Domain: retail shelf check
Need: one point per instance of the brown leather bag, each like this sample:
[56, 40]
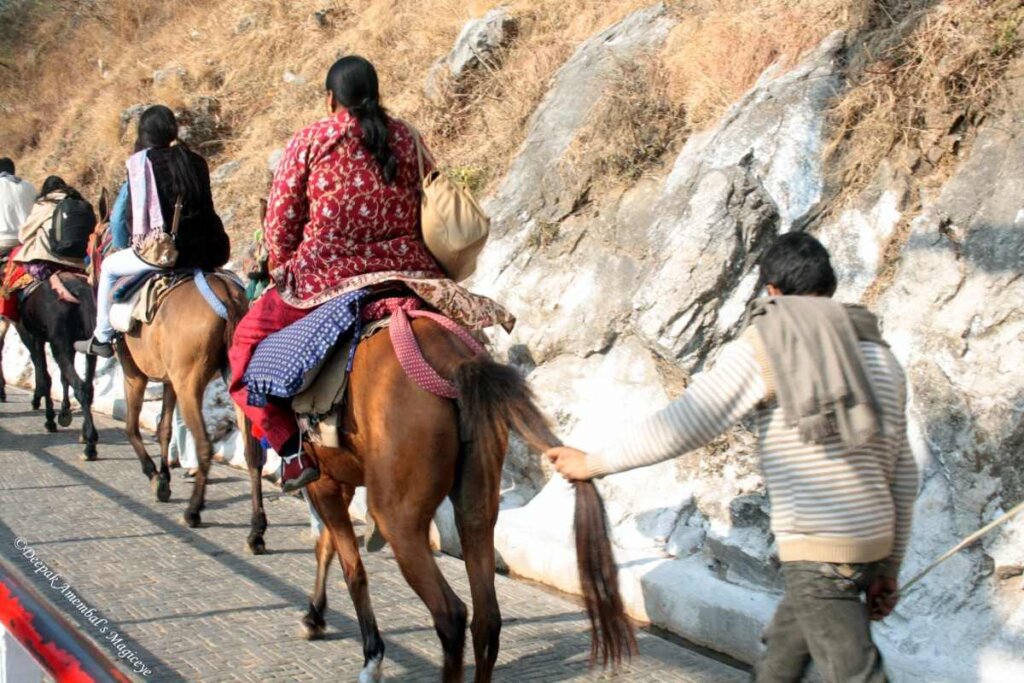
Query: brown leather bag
[454, 226]
[159, 248]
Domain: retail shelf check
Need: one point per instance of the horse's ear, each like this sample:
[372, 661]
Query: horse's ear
[263, 211]
[104, 206]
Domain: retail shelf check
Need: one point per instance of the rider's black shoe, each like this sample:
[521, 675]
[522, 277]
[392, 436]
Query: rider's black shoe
[95, 348]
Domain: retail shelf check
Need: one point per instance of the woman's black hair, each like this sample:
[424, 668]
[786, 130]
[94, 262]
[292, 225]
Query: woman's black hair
[353, 81]
[798, 264]
[158, 128]
[55, 183]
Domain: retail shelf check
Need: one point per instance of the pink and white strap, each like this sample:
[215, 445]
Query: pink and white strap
[408, 350]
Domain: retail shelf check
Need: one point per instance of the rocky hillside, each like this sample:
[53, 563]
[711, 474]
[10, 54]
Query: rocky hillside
[637, 158]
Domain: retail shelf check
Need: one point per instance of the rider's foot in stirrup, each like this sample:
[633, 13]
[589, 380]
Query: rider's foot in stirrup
[296, 471]
[95, 347]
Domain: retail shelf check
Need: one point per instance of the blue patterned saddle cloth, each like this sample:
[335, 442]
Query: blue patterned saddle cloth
[287, 361]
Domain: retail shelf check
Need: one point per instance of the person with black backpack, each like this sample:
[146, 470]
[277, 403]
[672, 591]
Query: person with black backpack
[56, 233]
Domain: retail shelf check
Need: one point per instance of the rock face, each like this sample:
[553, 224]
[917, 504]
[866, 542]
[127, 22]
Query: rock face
[199, 123]
[620, 299]
[478, 45]
[954, 315]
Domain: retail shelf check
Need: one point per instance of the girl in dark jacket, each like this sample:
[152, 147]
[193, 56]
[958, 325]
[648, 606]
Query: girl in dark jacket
[160, 172]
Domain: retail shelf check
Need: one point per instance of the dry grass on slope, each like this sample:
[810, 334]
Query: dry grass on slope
[716, 52]
[915, 101]
[88, 62]
[721, 47]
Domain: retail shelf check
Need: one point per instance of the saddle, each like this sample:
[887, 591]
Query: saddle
[318, 405]
[135, 299]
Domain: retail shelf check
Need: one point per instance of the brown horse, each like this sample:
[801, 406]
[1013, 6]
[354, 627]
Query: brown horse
[184, 347]
[411, 449]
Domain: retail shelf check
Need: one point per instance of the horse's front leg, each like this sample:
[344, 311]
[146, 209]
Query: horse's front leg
[254, 458]
[134, 392]
[43, 383]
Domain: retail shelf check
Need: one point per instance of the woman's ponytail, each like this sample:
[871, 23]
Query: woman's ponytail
[353, 81]
[374, 122]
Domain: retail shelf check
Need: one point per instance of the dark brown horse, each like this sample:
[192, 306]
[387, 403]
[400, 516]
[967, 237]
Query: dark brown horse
[46, 319]
[411, 449]
[59, 320]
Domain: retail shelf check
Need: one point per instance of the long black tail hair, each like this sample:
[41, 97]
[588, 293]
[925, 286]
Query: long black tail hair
[353, 81]
[158, 128]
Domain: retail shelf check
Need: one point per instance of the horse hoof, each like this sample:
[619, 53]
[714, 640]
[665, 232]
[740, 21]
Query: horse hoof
[192, 520]
[64, 419]
[51, 427]
[35, 404]
[311, 629]
[257, 547]
[88, 457]
[161, 487]
[3, 396]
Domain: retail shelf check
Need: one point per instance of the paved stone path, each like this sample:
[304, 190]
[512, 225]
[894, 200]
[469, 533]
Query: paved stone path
[192, 605]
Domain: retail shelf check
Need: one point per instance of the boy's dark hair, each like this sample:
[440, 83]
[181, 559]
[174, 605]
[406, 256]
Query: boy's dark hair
[798, 264]
[6, 165]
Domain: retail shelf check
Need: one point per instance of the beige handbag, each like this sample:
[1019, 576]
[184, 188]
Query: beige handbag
[159, 248]
[455, 228]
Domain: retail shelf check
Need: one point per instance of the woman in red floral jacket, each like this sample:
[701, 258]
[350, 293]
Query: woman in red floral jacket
[343, 214]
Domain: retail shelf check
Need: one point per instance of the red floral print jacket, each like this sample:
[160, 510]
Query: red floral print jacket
[331, 216]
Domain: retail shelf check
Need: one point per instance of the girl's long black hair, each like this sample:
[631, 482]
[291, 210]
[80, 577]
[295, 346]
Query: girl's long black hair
[353, 80]
[158, 128]
[55, 183]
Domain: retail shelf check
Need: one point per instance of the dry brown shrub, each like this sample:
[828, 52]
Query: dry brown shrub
[918, 98]
[631, 128]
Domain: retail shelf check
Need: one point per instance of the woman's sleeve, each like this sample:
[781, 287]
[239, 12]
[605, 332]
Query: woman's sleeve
[32, 223]
[119, 231]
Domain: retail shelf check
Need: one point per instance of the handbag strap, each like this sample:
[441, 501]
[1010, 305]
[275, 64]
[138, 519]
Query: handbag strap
[177, 217]
[421, 151]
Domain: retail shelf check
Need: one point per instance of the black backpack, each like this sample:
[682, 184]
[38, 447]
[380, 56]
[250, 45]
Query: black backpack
[72, 224]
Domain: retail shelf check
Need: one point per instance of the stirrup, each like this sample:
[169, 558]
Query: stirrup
[308, 475]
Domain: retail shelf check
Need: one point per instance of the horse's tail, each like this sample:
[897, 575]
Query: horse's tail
[494, 398]
[236, 305]
[86, 308]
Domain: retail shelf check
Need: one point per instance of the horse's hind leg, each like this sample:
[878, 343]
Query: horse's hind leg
[64, 355]
[37, 350]
[331, 500]
[4, 325]
[64, 416]
[161, 483]
[191, 405]
[476, 497]
[254, 461]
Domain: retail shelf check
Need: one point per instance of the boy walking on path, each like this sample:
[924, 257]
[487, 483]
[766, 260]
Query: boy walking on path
[828, 398]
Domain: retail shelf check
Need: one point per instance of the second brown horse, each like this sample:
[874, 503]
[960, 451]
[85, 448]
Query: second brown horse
[411, 449]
